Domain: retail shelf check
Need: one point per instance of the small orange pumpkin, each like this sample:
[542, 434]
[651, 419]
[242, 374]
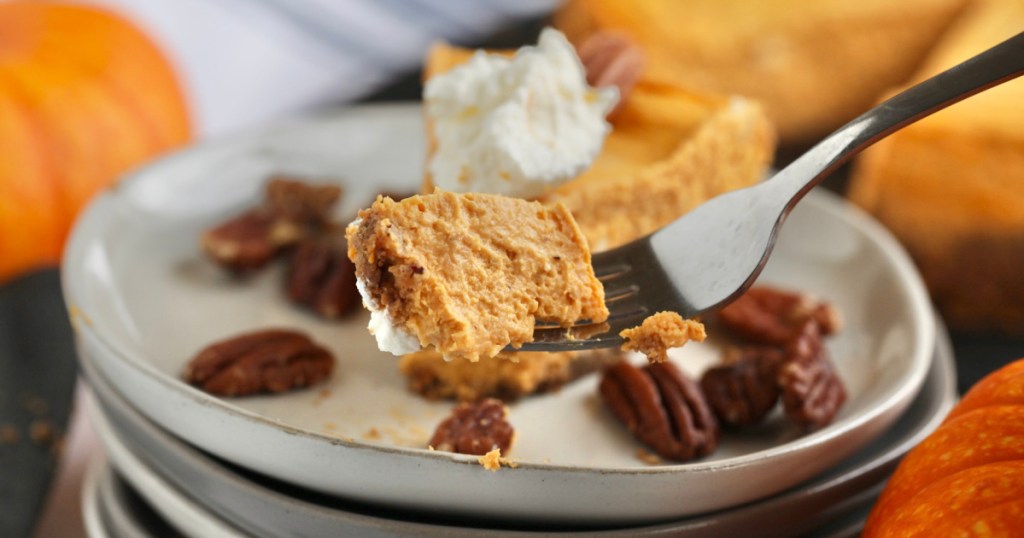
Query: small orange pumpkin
[967, 477]
[84, 96]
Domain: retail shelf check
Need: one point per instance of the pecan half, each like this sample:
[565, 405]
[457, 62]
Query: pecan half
[321, 277]
[765, 315]
[662, 408]
[273, 360]
[744, 391]
[249, 241]
[611, 59]
[300, 201]
[812, 392]
[475, 428]
[290, 211]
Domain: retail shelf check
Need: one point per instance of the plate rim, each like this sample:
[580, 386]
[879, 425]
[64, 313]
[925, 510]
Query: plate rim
[945, 389]
[910, 282]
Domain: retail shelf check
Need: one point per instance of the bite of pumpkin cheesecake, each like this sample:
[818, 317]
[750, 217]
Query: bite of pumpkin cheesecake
[470, 274]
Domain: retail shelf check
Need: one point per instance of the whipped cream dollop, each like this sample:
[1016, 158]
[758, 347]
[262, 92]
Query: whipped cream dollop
[516, 126]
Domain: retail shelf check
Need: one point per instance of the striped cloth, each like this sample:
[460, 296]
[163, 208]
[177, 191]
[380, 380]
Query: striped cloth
[246, 61]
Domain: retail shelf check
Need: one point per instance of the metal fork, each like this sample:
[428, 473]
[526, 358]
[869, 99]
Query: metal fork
[712, 254]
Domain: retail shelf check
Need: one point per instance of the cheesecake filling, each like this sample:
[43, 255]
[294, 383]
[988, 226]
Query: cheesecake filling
[517, 126]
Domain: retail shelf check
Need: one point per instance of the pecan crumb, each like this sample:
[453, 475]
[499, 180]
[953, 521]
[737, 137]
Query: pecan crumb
[662, 408]
[273, 360]
[661, 332]
[475, 428]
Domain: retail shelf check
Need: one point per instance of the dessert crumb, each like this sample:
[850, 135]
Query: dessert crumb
[649, 458]
[41, 431]
[77, 316]
[491, 460]
[9, 434]
[321, 396]
[34, 404]
[373, 434]
[661, 332]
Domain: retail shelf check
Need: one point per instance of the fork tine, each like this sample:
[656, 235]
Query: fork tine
[610, 264]
[612, 272]
[619, 294]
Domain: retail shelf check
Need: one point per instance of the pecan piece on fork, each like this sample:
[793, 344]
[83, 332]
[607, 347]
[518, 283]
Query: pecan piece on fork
[290, 211]
[662, 408]
[273, 360]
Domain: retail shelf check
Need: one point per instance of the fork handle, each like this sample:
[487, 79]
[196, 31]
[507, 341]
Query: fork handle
[996, 65]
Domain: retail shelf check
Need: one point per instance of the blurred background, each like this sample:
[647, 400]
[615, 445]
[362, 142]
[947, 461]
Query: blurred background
[90, 90]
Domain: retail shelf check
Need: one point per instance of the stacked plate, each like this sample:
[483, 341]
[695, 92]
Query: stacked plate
[349, 457]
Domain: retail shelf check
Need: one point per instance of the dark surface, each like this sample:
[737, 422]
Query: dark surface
[37, 379]
[978, 355]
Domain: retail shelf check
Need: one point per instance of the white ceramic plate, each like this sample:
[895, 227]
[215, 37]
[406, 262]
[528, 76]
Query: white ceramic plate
[180, 511]
[144, 301]
[92, 514]
[267, 508]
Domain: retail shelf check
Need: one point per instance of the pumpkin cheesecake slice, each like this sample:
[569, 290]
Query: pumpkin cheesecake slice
[469, 274]
[669, 150]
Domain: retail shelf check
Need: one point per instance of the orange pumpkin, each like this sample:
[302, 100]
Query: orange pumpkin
[966, 478]
[84, 96]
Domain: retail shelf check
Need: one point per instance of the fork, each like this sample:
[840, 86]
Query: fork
[715, 252]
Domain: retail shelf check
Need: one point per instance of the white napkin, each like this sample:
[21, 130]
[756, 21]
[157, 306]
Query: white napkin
[245, 61]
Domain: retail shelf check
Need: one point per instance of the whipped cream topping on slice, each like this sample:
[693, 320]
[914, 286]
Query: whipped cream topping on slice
[516, 126]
